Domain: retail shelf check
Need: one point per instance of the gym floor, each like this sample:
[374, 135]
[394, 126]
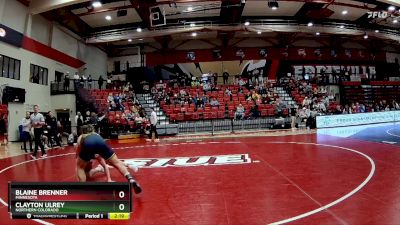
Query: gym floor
[293, 177]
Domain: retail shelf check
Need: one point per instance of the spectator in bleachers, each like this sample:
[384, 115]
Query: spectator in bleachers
[347, 110]
[206, 87]
[199, 102]
[395, 105]
[214, 102]
[110, 97]
[239, 113]
[338, 110]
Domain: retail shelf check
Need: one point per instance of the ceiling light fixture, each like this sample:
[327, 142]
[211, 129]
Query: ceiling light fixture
[190, 8]
[96, 4]
[317, 33]
[344, 12]
[341, 26]
[246, 23]
[395, 21]
[140, 39]
[194, 34]
[108, 17]
[258, 32]
[139, 29]
[273, 4]
[310, 24]
[130, 40]
[376, 31]
[192, 24]
[391, 8]
[365, 36]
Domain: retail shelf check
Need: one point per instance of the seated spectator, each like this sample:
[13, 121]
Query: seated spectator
[239, 113]
[110, 97]
[72, 138]
[182, 92]
[214, 102]
[206, 87]
[338, 110]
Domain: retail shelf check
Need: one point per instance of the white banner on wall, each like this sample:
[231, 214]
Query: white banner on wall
[357, 119]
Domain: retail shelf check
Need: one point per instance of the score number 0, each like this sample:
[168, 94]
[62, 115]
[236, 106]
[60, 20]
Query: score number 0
[121, 195]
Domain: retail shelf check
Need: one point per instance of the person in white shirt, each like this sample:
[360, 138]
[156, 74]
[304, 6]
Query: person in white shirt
[26, 130]
[153, 126]
[37, 121]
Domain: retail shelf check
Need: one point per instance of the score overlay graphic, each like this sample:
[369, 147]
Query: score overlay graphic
[57, 200]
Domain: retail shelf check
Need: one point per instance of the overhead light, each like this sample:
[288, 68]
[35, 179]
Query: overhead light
[190, 8]
[130, 40]
[246, 23]
[96, 4]
[391, 8]
[365, 36]
[194, 34]
[317, 33]
[273, 4]
[243, 1]
[108, 17]
[139, 29]
[258, 32]
[341, 26]
[376, 31]
[192, 24]
[310, 24]
[344, 12]
[395, 21]
[140, 39]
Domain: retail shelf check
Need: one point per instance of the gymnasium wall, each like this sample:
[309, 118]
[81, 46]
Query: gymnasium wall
[35, 93]
[47, 45]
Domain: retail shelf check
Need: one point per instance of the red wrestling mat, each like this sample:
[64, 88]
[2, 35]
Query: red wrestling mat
[300, 179]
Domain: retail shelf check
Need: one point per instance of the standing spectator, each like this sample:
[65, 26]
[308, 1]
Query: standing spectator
[225, 76]
[89, 81]
[76, 80]
[215, 76]
[109, 86]
[3, 127]
[51, 122]
[78, 121]
[66, 82]
[37, 121]
[293, 116]
[100, 81]
[153, 126]
[26, 130]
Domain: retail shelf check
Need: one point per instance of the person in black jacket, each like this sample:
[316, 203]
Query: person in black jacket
[100, 81]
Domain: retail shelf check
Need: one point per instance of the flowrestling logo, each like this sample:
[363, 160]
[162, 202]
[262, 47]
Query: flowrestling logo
[215, 160]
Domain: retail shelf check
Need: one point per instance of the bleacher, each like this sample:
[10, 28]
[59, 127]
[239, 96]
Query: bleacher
[225, 110]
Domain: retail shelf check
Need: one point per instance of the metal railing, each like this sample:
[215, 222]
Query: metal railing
[232, 126]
